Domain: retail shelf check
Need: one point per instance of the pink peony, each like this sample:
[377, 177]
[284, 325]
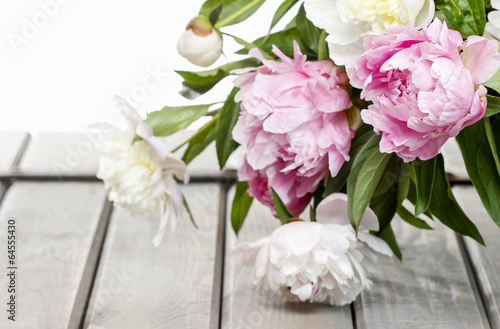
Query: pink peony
[294, 125]
[425, 86]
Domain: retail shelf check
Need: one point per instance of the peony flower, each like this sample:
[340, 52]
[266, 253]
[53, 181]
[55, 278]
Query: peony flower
[319, 261]
[425, 86]
[347, 22]
[200, 44]
[294, 124]
[139, 176]
[493, 24]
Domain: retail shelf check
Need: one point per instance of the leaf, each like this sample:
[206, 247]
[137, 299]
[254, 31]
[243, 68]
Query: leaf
[491, 141]
[282, 10]
[223, 130]
[424, 174]
[408, 217]
[169, 120]
[241, 204]
[367, 170]
[211, 9]
[480, 164]
[237, 11]
[283, 40]
[466, 16]
[385, 206]
[493, 106]
[388, 236]
[444, 206]
[186, 205]
[312, 214]
[248, 46]
[404, 181]
[281, 210]
[335, 184]
[198, 83]
[200, 140]
[309, 34]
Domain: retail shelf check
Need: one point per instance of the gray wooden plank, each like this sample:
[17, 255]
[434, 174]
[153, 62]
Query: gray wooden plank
[12, 146]
[78, 153]
[485, 260]
[170, 286]
[55, 228]
[245, 306]
[453, 160]
[429, 289]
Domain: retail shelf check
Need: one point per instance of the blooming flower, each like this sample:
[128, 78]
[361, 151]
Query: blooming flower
[347, 22]
[493, 25]
[294, 125]
[200, 44]
[425, 86]
[139, 176]
[319, 261]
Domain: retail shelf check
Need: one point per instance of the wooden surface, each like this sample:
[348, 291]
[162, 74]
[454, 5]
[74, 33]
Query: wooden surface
[83, 264]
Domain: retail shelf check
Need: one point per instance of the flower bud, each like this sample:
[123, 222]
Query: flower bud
[200, 44]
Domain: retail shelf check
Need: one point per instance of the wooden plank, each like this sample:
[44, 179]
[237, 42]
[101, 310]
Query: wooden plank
[485, 260]
[170, 286]
[454, 162]
[55, 228]
[12, 145]
[78, 153]
[429, 289]
[244, 306]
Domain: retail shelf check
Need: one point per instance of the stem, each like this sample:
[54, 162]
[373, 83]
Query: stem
[322, 53]
[491, 141]
[195, 134]
[232, 17]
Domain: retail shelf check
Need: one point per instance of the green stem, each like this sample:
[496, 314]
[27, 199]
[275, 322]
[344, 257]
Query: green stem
[322, 52]
[491, 141]
[232, 17]
[196, 134]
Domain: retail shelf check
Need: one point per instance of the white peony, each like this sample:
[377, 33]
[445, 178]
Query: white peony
[319, 261]
[200, 44]
[347, 22]
[139, 176]
[493, 25]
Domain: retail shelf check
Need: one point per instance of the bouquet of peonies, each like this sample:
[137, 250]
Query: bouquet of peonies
[341, 115]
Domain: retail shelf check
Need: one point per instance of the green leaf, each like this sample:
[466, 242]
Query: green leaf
[211, 9]
[312, 214]
[322, 47]
[241, 204]
[404, 181]
[281, 210]
[282, 10]
[200, 140]
[385, 206]
[223, 130]
[493, 106]
[198, 83]
[491, 142]
[248, 46]
[186, 205]
[366, 173]
[169, 120]
[480, 163]
[283, 40]
[388, 236]
[466, 16]
[335, 184]
[236, 11]
[424, 173]
[309, 34]
[411, 219]
[444, 206]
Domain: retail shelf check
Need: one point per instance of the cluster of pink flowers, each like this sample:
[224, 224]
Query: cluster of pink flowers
[425, 86]
[294, 125]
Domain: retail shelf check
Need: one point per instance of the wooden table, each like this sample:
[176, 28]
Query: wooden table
[80, 263]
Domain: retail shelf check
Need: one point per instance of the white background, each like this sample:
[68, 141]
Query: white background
[63, 60]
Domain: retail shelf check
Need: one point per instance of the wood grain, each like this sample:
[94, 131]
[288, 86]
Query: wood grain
[56, 224]
[485, 260]
[429, 289]
[170, 286]
[244, 306]
[12, 145]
